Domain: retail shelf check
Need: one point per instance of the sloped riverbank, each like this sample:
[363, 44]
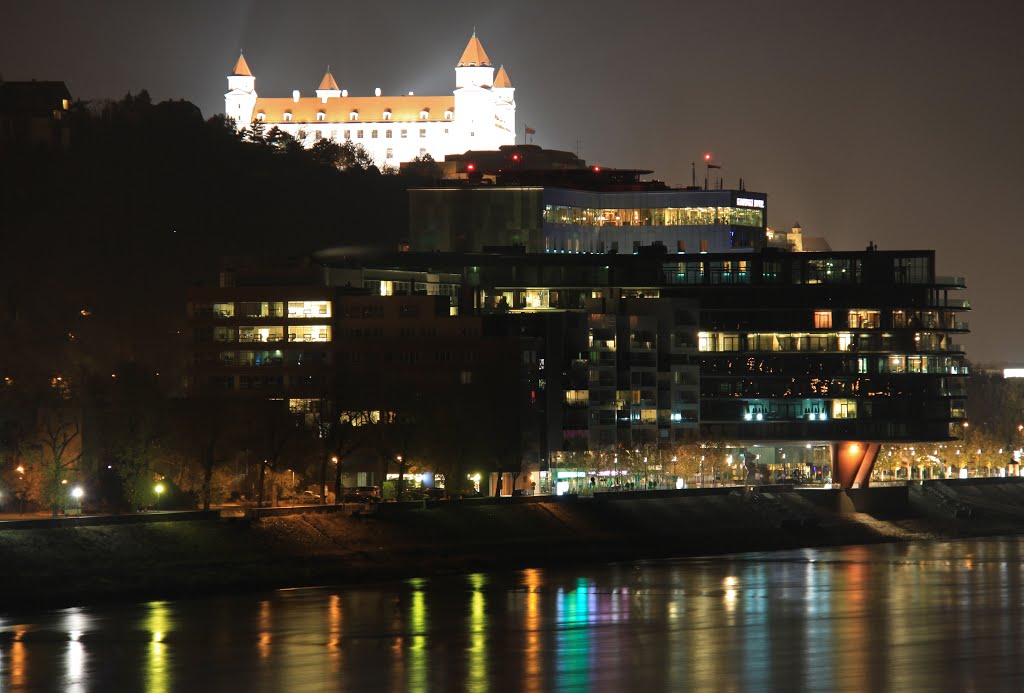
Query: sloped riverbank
[60, 566]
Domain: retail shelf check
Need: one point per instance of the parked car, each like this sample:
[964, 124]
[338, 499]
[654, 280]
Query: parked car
[361, 494]
[309, 497]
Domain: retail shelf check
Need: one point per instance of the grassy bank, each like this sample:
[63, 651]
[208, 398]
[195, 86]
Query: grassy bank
[63, 566]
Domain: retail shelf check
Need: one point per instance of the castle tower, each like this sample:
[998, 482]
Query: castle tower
[504, 94]
[474, 67]
[240, 100]
[328, 88]
[475, 105]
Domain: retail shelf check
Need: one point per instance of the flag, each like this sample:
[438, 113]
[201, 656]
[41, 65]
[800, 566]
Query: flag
[530, 131]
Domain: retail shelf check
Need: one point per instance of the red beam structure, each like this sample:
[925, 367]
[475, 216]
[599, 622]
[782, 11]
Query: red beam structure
[852, 463]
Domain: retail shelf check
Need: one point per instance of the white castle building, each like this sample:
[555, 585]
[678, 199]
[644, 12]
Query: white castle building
[479, 114]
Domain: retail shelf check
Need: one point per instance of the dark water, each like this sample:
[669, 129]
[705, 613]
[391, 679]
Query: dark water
[943, 616]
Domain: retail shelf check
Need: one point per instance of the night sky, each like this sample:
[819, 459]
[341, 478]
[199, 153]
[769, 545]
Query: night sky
[893, 122]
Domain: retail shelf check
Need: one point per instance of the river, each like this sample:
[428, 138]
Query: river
[893, 617]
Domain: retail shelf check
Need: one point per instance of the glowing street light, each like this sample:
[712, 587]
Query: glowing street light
[159, 488]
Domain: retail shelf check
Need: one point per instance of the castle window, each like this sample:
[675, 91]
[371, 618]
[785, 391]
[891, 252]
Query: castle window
[354, 115]
[348, 134]
[373, 133]
[422, 151]
[387, 134]
[318, 135]
[424, 114]
[405, 133]
[390, 153]
[359, 134]
[261, 116]
[423, 132]
[287, 116]
[321, 115]
[448, 114]
[302, 134]
[387, 114]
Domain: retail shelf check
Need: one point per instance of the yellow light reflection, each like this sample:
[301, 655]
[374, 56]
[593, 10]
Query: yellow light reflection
[418, 626]
[264, 626]
[334, 633]
[533, 581]
[477, 655]
[156, 665]
[17, 673]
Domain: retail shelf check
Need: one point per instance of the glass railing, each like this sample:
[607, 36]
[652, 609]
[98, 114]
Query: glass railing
[950, 280]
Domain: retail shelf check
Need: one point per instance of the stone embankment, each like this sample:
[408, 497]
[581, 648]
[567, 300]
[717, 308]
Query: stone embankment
[63, 565]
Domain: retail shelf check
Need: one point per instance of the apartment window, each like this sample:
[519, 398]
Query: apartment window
[387, 134]
[423, 132]
[387, 114]
[354, 115]
[373, 134]
[287, 116]
[390, 153]
[405, 133]
[681, 246]
[823, 319]
[866, 319]
[321, 116]
[466, 377]
[703, 245]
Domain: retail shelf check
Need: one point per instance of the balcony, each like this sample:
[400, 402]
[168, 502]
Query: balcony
[959, 282]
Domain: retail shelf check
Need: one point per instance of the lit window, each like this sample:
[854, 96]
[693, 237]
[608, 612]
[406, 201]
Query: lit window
[823, 319]
[287, 116]
[354, 115]
[321, 116]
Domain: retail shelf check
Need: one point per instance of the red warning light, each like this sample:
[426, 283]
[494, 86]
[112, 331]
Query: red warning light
[515, 157]
[597, 169]
[707, 157]
[470, 167]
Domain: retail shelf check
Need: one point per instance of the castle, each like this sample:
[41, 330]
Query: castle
[479, 114]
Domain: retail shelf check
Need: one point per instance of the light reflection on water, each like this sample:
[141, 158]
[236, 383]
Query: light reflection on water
[944, 616]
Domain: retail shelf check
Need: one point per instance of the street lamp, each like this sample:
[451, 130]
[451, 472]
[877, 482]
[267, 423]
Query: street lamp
[159, 488]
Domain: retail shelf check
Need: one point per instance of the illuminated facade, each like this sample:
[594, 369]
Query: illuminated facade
[845, 349]
[584, 210]
[479, 114]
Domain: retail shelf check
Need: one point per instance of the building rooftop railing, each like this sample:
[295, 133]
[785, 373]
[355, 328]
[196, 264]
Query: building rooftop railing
[950, 280]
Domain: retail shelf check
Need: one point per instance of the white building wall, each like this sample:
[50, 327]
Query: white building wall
[483, 118]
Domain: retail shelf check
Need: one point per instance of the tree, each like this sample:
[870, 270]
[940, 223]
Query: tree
[54, 453]
[132, 415]
[208, 433]
[278, 440]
